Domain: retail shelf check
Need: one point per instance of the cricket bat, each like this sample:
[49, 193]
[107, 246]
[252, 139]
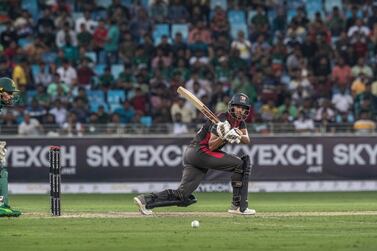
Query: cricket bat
[198, 104]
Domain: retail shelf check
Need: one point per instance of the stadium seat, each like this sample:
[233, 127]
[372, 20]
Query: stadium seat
[99, 69]
[294, 4]
[222, 3]
[146, 121]
[92, 55]
[234, 29]
[159, 31]
[313, 6]
[250, 15]
[291, 14]
[103, 3]
[32, 7]
[182, 28]
[96, 98]
[30, 94]
[23, 42]
[49, 57]
[126, 2]
[116, 69]
[115, 99]
[236, 17]
[115, 96]
[77, 15]
[2, 28]
[330, 4]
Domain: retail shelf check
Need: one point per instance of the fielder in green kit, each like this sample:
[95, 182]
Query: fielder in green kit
[8, 96]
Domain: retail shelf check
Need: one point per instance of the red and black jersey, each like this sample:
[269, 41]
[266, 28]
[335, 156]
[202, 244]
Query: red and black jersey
[204, 134]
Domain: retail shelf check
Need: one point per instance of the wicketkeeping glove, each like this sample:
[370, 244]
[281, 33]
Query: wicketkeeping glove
[233, 136]
[3, 152]
[222, 128]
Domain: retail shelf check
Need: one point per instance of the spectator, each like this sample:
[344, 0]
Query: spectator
[363, 68]
[29, 126]
[243, 46]
[99, 38]
[186, 115]
[85, 74]
[200, 33]
[59, 112]
[341, 73]
[67, 73]
[112, 43]
[44, 77]
[177, 12]
[56, 86]
[66, 37]
[72, 126]
[179, 127]
[158, 11]
[303, 123]
[364, 124]
[84, 37]
[89, 24]
[342, 101]
[125, 113]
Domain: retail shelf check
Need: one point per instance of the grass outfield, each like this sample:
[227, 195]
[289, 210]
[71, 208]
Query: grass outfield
[284, 221]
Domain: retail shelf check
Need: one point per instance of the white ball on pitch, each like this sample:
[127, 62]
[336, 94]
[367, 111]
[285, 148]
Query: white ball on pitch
[195, 224]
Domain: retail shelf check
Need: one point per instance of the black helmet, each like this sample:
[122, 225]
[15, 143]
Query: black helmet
[239, 99]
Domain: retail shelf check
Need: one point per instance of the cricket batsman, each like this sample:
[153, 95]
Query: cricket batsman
[204, 153]
[7, 98]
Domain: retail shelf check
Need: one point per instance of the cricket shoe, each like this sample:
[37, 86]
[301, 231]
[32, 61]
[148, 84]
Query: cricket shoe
[236, 210]
[140, 202]
[7, 211]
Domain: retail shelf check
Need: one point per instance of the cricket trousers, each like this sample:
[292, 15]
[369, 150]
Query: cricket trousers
[197, 160]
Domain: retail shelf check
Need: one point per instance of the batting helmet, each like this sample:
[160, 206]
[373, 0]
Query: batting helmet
[239, 99]
[8, 85]
[7, 90]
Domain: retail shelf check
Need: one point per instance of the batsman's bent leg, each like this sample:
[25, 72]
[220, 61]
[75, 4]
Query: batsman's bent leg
[4, 187]
[240, 181]
[5, 209]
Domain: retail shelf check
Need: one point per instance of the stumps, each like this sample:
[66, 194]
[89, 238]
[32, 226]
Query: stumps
[55, 180]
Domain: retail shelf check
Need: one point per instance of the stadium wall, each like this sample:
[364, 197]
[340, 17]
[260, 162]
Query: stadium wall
[141, 164]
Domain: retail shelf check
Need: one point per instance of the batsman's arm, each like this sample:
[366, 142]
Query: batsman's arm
[215, 142]
[245, 139]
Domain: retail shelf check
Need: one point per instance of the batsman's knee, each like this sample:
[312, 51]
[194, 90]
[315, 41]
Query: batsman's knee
[169, 197]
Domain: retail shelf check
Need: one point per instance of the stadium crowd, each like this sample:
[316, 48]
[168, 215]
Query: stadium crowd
[119, 62]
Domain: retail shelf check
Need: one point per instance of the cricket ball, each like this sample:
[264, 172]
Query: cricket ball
[195, 224]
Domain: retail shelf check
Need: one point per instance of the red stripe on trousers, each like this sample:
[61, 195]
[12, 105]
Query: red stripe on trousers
[217, 155]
